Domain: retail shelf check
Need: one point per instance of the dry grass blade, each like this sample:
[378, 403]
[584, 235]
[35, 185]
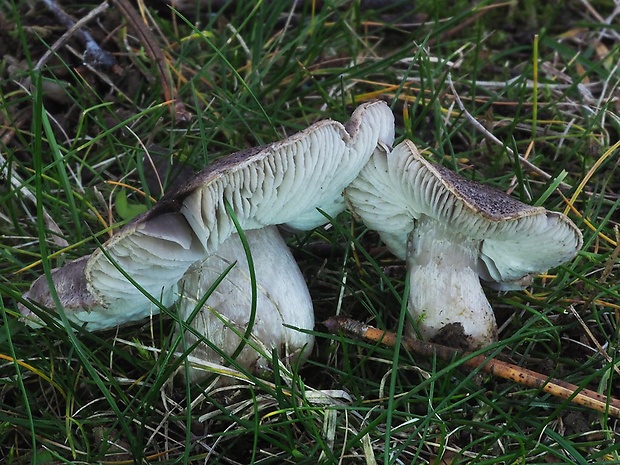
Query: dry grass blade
[535, 169]
[156, 54]
[558, 388]
[6, 172]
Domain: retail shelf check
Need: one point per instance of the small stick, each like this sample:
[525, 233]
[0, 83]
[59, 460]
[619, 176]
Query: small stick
[94, 54]
[556, 387]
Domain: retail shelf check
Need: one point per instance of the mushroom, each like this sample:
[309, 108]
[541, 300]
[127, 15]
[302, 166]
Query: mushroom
[291, 182]
[454, 232]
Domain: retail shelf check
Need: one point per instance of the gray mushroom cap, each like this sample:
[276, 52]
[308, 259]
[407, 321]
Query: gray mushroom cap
[452, 232]
[282, 183]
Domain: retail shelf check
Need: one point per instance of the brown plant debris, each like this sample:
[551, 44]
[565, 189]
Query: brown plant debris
[556, 387]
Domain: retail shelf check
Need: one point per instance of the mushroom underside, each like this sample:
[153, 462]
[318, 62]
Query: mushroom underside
[454, 232]
[128, 279]
[136, 272]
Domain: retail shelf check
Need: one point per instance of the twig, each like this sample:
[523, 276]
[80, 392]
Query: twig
[93, 54]
[558, 388]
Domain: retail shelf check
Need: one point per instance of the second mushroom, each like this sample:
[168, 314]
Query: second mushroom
[453, 233]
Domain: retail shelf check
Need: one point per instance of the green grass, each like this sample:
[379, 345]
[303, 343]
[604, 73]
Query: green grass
[256, 75]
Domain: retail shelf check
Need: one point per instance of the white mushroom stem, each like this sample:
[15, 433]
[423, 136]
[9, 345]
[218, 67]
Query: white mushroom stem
[445, 287]
[282, 298]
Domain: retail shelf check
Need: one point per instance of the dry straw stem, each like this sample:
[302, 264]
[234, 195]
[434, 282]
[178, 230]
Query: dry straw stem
[156, 54]
[558, 388]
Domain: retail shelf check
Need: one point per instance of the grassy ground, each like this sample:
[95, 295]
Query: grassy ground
[542, 77]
